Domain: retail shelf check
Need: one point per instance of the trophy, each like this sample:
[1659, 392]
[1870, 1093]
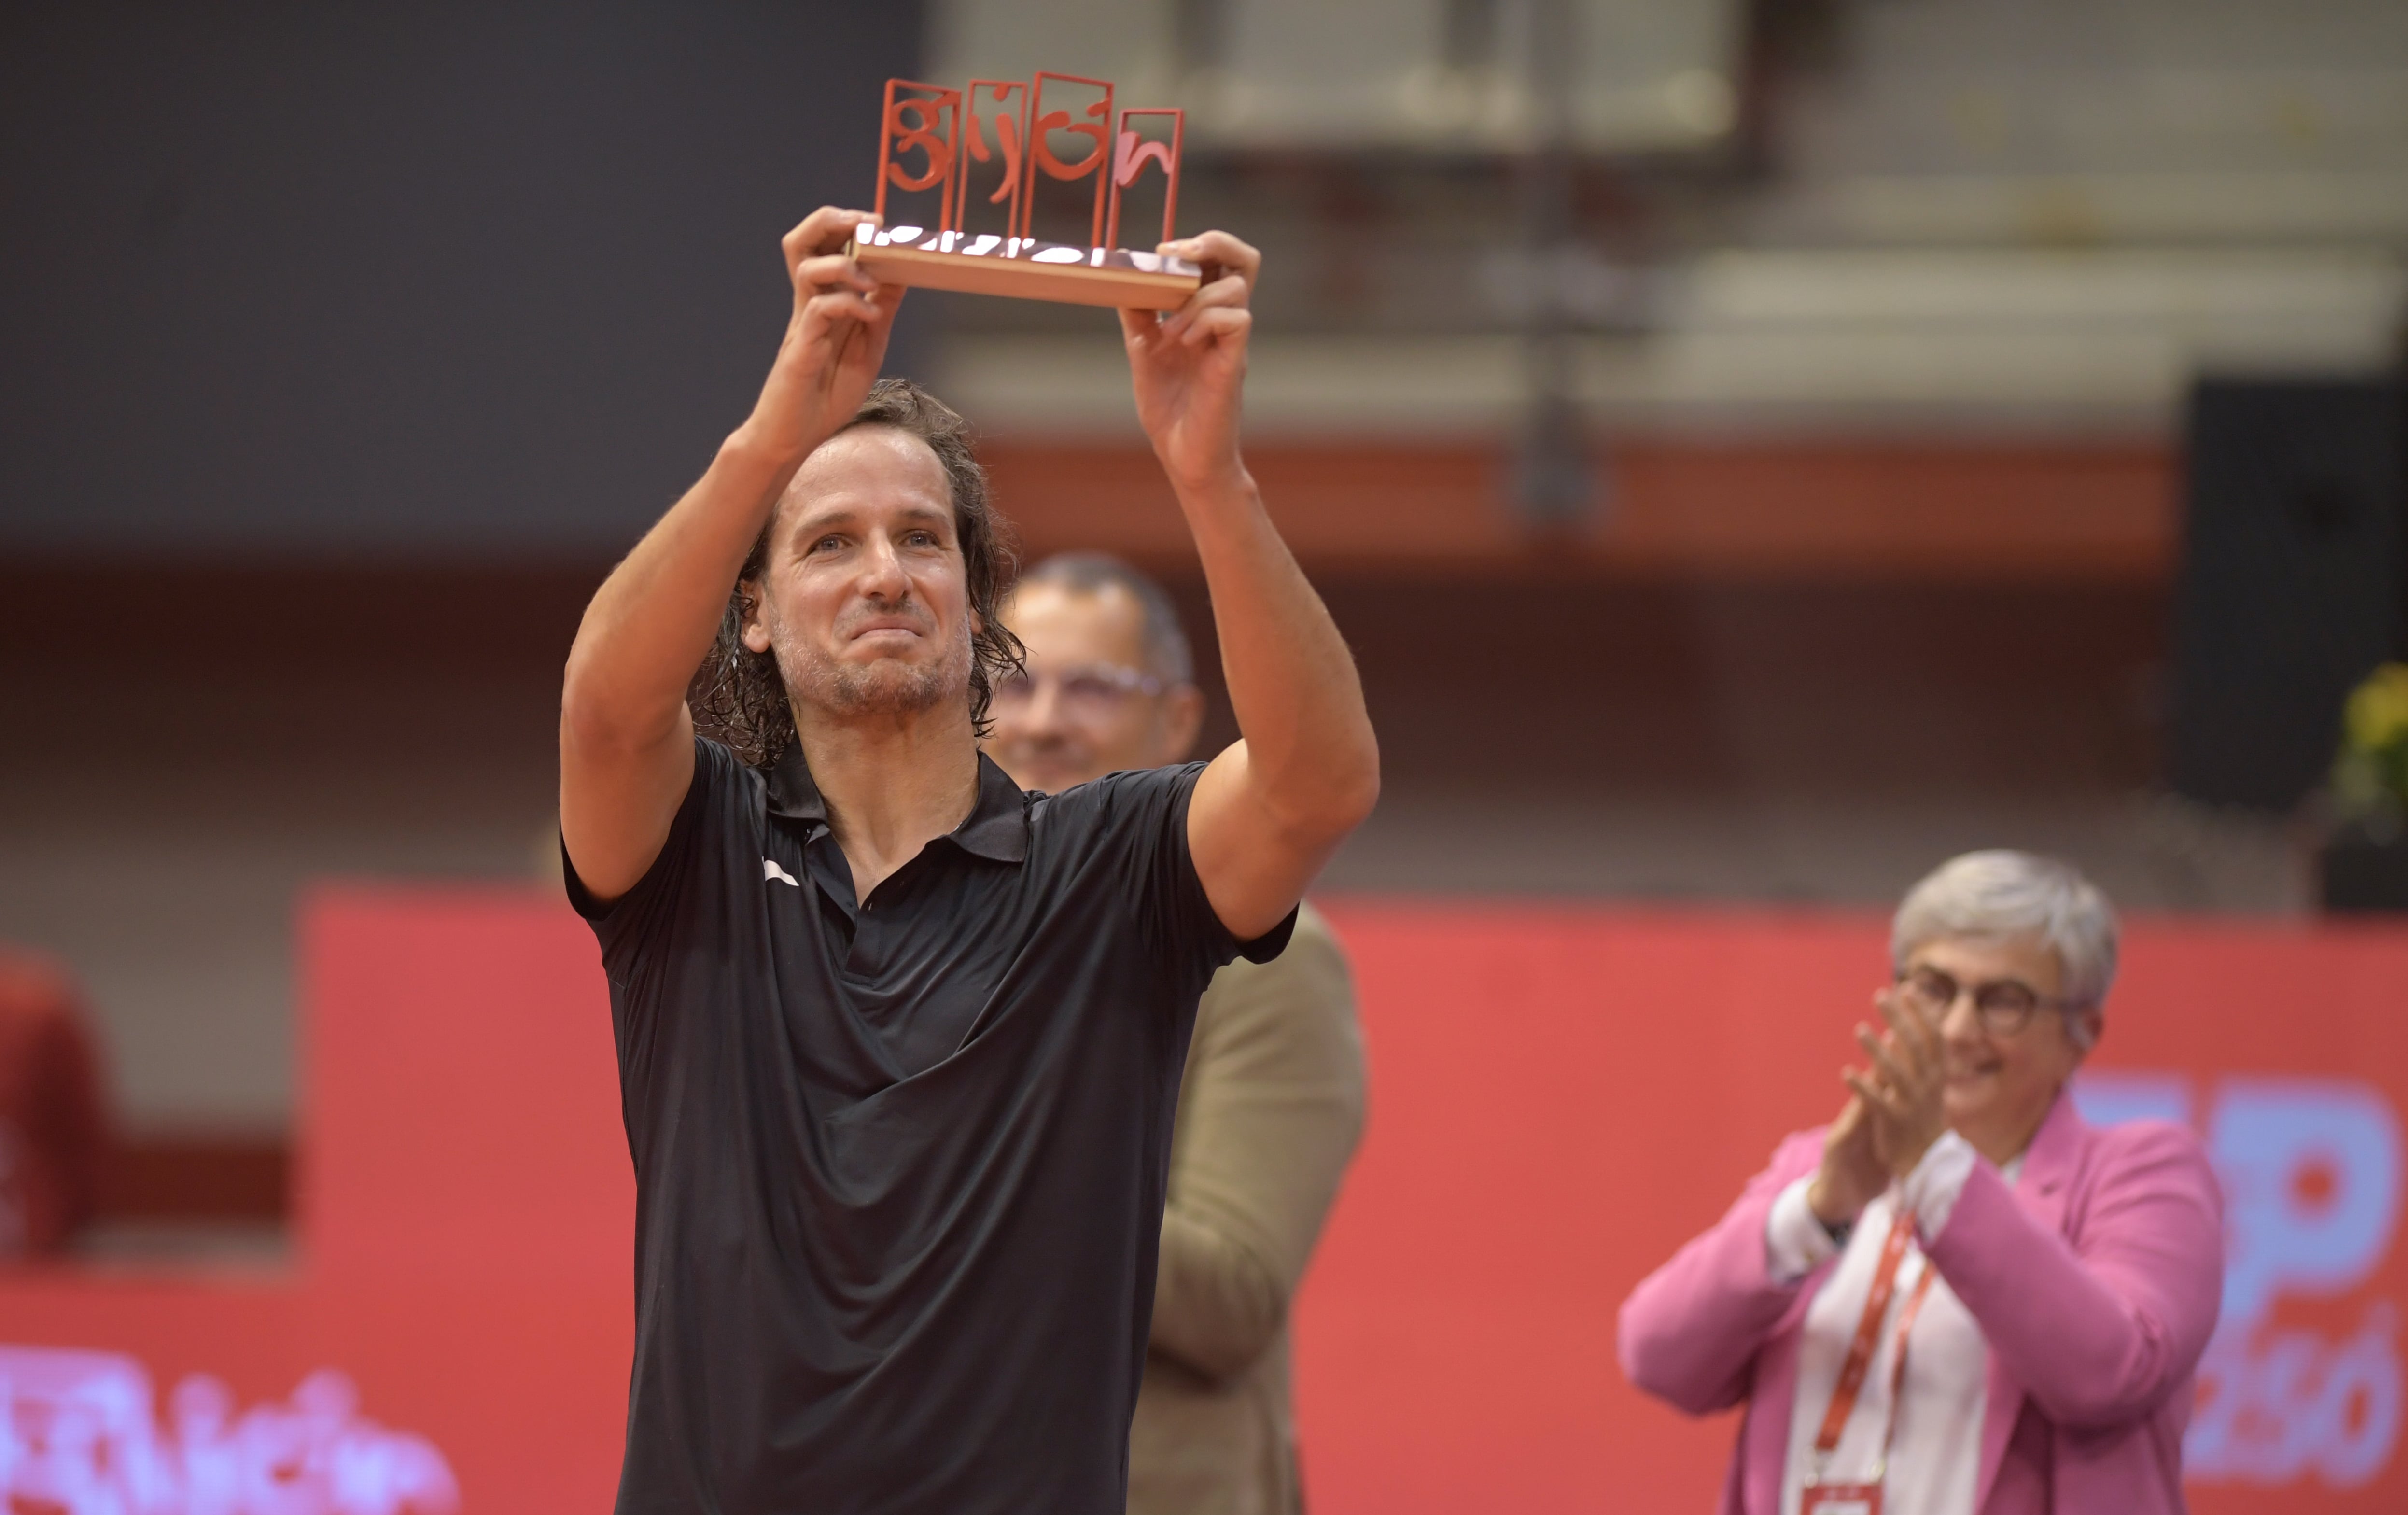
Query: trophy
[1024, 137]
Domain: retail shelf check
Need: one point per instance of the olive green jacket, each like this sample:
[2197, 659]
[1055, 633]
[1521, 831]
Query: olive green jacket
[1270, 1110]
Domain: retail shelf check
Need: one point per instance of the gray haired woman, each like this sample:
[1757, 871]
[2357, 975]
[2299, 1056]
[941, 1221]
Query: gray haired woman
[1957, 1297]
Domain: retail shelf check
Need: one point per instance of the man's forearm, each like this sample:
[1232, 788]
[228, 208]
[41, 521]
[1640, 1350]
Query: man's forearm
[1215, 1304]
[1292, 683]
[648, 626]
[1270, 1113]
[625, 753]
[654, 618]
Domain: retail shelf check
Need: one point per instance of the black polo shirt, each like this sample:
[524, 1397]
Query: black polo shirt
[900, 1161]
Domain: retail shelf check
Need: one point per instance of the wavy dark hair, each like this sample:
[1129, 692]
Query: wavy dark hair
[739, 698]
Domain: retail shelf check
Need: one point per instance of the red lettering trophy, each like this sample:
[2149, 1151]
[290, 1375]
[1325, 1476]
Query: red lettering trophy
[935, 139]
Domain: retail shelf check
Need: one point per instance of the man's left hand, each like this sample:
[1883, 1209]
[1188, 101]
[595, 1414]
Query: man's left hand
[1189, 367]
[1903, 1090]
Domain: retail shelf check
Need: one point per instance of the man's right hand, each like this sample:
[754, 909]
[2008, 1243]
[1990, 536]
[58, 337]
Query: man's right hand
[835, 341]
[1852, 1174]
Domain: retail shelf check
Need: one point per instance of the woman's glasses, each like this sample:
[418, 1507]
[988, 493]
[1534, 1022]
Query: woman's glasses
[2004, 1005]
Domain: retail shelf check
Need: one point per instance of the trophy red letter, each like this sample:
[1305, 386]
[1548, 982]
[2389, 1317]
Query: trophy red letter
[911, 121]
[1129, 160]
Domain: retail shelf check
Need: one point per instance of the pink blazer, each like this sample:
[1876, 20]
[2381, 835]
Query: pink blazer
[2094, 1280]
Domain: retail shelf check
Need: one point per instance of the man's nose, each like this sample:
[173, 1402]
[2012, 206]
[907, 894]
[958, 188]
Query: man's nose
[1045, 706]
[881, 571]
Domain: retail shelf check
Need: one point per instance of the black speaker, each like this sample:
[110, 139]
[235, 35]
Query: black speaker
[2292, 585]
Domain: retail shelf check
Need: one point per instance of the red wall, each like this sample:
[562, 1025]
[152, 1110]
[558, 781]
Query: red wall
[1560, 1097]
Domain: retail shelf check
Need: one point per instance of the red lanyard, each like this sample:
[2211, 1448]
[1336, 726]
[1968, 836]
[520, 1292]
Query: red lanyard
[1860, 1351]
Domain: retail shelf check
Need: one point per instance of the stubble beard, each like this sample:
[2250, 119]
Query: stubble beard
[889, 687]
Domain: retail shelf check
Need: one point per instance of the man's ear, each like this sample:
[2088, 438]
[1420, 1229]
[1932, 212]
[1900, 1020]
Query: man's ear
[1183, 718]
[750, 628]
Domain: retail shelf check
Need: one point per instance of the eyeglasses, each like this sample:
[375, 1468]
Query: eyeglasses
[2004, 1005]
[1089, 691]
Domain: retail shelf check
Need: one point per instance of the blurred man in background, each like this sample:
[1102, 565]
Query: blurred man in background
[1271, 1102]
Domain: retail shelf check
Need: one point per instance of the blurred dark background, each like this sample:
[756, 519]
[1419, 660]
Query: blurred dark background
[438, 282]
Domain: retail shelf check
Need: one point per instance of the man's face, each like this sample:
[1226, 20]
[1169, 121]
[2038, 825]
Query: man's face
[863, 597]
[1089, 706]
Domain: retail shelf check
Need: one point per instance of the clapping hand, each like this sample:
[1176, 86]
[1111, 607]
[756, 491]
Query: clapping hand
[1901, 1094]
[1852, 1173]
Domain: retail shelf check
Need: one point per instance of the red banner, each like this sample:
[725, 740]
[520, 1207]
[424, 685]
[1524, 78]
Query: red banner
[1560, 1097]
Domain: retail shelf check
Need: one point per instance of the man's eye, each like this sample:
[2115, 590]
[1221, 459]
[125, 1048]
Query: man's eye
[826, 544]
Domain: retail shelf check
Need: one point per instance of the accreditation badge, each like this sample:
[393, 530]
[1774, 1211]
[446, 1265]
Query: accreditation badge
[1821, 1498]
[1840, 1499]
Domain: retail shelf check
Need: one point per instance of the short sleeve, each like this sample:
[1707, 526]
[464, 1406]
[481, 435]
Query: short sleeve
[643, 916]
[1140, 818]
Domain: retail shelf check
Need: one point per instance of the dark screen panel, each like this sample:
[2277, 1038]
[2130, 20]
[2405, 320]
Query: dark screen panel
[2291, 584]
[428, 279]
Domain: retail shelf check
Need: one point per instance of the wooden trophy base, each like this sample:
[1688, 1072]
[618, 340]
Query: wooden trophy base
[1024, 268]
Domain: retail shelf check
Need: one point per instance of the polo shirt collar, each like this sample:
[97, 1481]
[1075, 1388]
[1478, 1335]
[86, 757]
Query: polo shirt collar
[996, 829]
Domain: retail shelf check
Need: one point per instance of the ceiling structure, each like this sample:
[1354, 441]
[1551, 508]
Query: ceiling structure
[1921, 217]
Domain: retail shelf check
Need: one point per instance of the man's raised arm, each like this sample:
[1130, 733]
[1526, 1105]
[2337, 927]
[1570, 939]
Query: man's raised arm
[1268, 812]
[627, 749]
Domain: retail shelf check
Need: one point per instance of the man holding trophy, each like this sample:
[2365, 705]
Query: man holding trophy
[900, 1043]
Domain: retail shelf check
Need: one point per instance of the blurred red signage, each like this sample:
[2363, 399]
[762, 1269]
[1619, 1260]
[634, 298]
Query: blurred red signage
[1561, 1096]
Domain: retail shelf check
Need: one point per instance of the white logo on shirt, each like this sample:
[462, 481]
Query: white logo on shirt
[770, 870]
